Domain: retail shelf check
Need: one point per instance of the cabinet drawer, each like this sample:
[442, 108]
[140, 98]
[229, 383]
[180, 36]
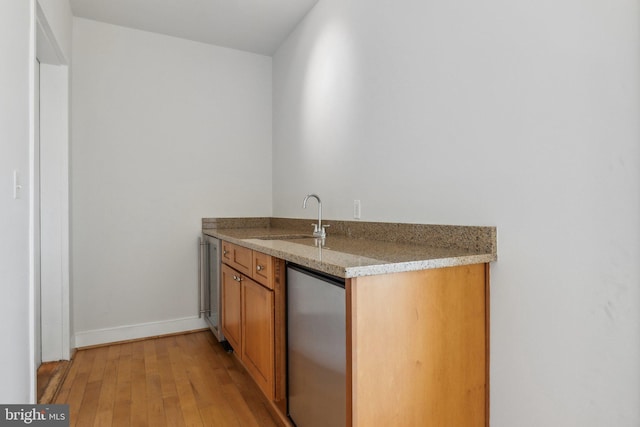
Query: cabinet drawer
[263, 269]
[237, 257]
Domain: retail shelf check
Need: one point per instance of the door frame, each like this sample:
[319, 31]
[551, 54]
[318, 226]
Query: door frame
[55, 306]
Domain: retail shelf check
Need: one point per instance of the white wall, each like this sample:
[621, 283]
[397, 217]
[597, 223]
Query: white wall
[164, 132]
[17, 51]
[523, 115]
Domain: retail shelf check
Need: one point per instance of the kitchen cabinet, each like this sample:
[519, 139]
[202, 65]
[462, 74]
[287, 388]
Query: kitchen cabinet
[421, 337]
[258, 334]
[231, 306]
[418, 348]
[416, 316]
[252, 288]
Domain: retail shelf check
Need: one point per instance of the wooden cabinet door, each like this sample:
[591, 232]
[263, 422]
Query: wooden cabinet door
[258, 334]
[231, 307]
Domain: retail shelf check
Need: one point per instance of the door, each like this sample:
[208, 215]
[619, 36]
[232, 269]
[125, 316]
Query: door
[258, 334]
[231, 316]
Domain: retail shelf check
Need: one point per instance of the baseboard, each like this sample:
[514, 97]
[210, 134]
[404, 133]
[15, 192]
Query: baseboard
[133, 332]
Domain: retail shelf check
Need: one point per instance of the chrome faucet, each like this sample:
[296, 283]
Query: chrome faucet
[318, 229]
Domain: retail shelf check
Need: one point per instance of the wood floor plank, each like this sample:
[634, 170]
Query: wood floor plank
[138, 387]
[183, 380]
[180, 363]
[76, 393]
[210, 361]
[83, 362]
[87, 413]
[263, 411]
[155, 403]
[243, 413]
[251, 395]
[122, 403]
[99, 363]
[45, 371]
[167, 381]
[91, 397]
[106, 400]
[251, 407]
[173, 411]
[169, 392]
[49, 378]
[210, 398]
[65, 388]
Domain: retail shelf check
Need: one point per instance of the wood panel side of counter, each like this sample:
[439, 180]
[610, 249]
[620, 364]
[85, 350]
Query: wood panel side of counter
[280, 338]
[419, 348]
[487, 328]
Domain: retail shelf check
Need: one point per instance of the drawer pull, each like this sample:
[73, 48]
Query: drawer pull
[259, 268]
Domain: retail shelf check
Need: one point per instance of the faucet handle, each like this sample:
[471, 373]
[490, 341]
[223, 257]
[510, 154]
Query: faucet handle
[319, 231]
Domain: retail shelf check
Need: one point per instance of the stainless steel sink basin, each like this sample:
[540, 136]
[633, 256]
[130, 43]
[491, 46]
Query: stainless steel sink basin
[285, 237]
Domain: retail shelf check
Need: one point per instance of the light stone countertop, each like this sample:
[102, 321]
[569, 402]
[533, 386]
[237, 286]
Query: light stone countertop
[350, 252]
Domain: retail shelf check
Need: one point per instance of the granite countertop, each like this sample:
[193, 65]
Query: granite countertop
[355, 249]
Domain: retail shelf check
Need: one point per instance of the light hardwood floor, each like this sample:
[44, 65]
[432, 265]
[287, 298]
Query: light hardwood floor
[182, 380]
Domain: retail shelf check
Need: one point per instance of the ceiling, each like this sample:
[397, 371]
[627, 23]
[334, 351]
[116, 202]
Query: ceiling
[258, 26]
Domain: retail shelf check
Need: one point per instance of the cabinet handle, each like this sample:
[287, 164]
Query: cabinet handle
[237, 278]
[224, 252]
[259, 267]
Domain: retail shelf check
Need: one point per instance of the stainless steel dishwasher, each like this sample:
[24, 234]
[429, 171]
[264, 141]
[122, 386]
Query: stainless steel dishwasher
[316, 348]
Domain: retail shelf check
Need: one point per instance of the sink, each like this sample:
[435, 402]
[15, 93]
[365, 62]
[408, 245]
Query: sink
[285, 237]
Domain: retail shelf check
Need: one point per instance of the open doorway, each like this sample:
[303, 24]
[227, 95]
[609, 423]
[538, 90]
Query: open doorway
[50, 174]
